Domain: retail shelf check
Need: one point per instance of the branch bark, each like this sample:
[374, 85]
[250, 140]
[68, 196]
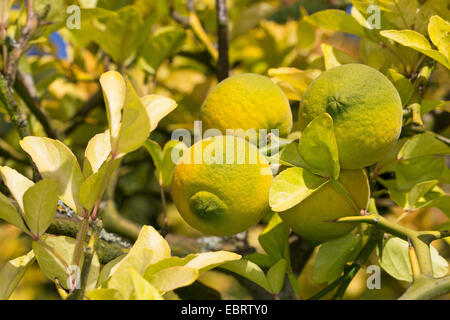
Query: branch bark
[222, 35]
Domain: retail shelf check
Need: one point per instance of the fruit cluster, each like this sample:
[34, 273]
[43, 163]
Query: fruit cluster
[221, 196]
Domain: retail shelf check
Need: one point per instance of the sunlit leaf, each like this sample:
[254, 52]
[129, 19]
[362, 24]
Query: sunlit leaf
[293, 81]
[12, 272]
[114, 93]
[209, 260]
[96, 153]
[330, 59]
[439, 31]
[291, 187]
[55, 161]
[16, 183]
[55, 256]
[157, 108]
[135, 126]
[395, 260]
[143, 290]
[104, 294]
[416, 41]
[173, 277]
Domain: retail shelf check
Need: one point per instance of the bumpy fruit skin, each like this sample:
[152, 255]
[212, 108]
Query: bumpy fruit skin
[219, 198]
[365, 107]
[247, 101]
[309, 218]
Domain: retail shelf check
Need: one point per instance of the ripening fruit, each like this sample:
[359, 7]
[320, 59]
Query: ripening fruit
[247, 101]
[365, 107]
[311, 217]
[221, 185]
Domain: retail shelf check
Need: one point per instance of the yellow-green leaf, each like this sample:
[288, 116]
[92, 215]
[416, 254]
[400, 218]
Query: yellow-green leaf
[293, 81]
[291, 187]
[55, 161]
[157, 107]
[40, 202]
[337, 20]
[97, 151]
[10, 214]
[104, 294]
[114, 93]
[54, 262]
[173, 277]
[12, 272]
[276, 276]
[439, 31]
[249, 270]
[416, 41]
[318, 147]
[16, 183]
[143, 290]
[135, 126]
[209, 260]
[330, 59]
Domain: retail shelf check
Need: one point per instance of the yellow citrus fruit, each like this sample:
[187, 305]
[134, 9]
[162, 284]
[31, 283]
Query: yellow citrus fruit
[365, 107]
[247, 101]
[311, 217]
[221, 185]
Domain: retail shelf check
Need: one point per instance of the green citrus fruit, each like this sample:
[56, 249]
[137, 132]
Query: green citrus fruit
[311, 217]
[221, 185]
[365, 107]
[247, 101]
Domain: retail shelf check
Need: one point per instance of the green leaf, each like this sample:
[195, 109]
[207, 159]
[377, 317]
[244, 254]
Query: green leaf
[439, 31]
[293, 81]
[423, 145]
[209, 260]
[306, 35]
[291, 187]
[104, 294]
[96, 153]
[55, 161]
[157, 108]
[108, 270]
[329, 58]
[395, 260]
[114, 93]
[143, 290]
[274, 237]
[402, 84]
[249, 270]
[332, 257]
[166, 42]
[318, 148]
[16, 183]
[10, 214]
[290, 156]
[260, 259]
[93, 187]
[40, 202]
[416, 41]
[441, 202]
[12, 272]
[336, 20]
[173, 277]
[172, 152]
[154, 149]
[51, 264]
[135, 126]
[413, 171]
[276, 276]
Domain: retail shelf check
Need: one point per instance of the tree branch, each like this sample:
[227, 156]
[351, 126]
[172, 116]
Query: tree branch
[222, 34]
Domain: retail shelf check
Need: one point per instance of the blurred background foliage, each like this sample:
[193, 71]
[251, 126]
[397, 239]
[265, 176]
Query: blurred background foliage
[151, 44]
